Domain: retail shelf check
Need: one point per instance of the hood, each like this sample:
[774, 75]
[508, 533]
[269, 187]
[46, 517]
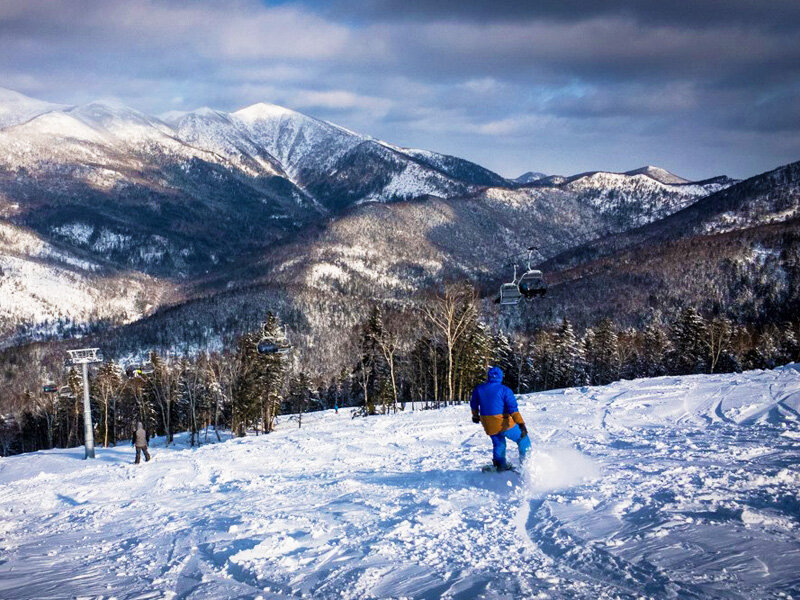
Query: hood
[495, 375]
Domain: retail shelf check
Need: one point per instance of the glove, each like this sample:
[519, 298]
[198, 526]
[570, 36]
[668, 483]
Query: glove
[476, 419]
[524, 430]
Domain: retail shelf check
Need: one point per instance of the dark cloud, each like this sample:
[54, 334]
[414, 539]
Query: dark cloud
[560, 86]
[775, 14]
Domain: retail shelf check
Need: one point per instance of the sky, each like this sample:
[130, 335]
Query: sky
[701, 88]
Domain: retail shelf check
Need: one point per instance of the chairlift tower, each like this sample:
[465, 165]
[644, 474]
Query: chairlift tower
[85, 357]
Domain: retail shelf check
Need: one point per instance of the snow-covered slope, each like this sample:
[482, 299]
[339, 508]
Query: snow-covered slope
[296, 139]
[47, 291]
[637, 198]
[214, 195]
[678, 487]
[659, 174]
[16, 108]
[222, 133]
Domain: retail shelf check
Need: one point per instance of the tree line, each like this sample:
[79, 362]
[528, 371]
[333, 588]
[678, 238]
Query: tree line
[402, 357]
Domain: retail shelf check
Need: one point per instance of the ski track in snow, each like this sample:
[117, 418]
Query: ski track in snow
[674, 487]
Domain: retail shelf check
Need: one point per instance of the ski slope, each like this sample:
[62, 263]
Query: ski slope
[675, 487]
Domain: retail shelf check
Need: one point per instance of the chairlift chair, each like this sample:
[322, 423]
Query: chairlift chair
[532, 284]
[132, 370]
[49, 388]
[509, 292]
[270, 346]
[66, 393]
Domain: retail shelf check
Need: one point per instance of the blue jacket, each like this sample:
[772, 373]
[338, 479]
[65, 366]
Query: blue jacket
[495, 404]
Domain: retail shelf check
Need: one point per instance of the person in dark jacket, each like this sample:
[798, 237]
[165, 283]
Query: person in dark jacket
[140, 441]
[494, 405]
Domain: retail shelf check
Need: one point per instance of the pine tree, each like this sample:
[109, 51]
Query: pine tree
[789, 346]
[471, 356]
[688, 355]
[370, 370]
[655, 347]
[299, 396]
[602, 353]
[258, 379]
[543, 358]
[568, 363]
[271, 372]
[503, 356]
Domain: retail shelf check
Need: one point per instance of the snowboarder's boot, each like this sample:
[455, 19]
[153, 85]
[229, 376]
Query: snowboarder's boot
[502, 465]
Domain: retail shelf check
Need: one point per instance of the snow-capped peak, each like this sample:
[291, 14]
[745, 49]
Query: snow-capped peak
[659, 174]
[117, 119]
[16, 108]
[262, 111]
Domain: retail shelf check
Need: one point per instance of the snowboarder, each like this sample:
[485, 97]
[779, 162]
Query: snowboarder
[140, 441]
[494, 405]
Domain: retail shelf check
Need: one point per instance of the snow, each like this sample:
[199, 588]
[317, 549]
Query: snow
[77, 233]
[42, 285]
[413, 181]
[670, 487]
[659, 174]
[16, 108]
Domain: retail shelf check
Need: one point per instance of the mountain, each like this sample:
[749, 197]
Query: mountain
[16, 108]
[172, 209]
[530, 177]
[267, 199]
[660, 175]
[771, 197]
[335, 166]
[734, 252]
[325, 282]
[49, 290]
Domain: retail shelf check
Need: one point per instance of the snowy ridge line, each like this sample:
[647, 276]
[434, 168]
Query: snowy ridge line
[655, 499]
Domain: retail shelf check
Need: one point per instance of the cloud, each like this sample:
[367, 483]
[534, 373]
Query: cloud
[555, 85]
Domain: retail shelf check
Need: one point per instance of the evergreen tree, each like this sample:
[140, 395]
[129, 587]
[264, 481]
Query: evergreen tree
[688, 354]
[503, 356]
[602, 353]
[370, 371]
[271, 373]
[568, 360]
[789, 346]
[655, 348]
[299, 396]
[471, 359]
[258, 379]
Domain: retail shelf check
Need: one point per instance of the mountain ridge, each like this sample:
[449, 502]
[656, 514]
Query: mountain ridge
[208, 200]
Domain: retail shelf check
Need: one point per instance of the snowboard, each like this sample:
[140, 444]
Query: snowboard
[493, 469]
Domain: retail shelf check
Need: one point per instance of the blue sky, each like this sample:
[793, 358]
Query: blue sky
[700, 88]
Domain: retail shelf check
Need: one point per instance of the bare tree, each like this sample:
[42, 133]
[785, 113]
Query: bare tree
[163, 384]
[108, 384]
[717, 338]
[452, 314]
